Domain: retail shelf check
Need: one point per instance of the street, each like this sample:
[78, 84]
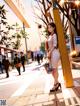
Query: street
[15, 85]
[33, 86]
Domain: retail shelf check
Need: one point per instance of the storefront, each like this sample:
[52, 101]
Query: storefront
[9, 53]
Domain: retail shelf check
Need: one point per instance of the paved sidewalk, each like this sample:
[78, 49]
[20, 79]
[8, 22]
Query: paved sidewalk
[37, 94]
[14, 72]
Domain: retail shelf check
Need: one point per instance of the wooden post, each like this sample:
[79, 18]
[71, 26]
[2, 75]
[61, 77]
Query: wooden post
[63, 50]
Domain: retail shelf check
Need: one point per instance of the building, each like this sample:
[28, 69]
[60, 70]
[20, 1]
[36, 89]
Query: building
[16, 8]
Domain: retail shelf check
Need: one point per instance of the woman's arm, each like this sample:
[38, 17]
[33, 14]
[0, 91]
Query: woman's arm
[47, 49]
[54, 42]
[46, 46]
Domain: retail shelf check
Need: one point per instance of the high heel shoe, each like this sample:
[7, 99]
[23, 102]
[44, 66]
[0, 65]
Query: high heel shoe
[56, 87]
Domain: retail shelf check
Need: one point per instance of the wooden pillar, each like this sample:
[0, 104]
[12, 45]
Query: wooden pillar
[63, 50]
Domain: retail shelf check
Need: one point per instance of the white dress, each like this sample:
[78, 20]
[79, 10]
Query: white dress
[55, 55]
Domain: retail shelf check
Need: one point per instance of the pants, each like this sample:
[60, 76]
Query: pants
[23, 67]
[7, 72]
[1, 69]
[18, 69]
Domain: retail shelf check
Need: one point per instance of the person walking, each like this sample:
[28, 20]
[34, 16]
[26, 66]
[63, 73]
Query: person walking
[1, 68]
[38, 57]
[17, 63]
[41, 56]
[6, 64]
[23, 61]
[53, 54]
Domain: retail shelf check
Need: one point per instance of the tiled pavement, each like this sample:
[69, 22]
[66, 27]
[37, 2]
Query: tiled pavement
[38, 92]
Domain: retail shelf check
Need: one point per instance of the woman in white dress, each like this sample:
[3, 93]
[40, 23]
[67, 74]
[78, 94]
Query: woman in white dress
[53, 54]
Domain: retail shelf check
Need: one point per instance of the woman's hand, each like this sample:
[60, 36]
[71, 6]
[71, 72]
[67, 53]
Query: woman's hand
[49, 55]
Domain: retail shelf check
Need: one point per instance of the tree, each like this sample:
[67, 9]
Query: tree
[16, 37]
[10, 39]
[2, 23]
[46, 16]
[4, 28]
[45, 12]
[42, 48]
[68, 11]
[19, 33]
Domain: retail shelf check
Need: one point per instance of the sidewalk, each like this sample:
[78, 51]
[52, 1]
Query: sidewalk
[14, 72]
[38, 94]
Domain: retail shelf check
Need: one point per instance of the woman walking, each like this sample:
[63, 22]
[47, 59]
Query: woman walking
[53, 54]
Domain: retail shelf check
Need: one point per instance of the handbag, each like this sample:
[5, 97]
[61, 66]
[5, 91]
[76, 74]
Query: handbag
[48, 67]
[18, 65]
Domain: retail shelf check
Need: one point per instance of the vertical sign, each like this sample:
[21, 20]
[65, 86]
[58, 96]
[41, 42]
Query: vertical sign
[77, 43]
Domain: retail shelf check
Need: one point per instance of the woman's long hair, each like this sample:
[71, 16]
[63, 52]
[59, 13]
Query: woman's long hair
[55, 31]
[54, 26]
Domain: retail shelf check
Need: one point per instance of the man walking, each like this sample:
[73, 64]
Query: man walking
[23, 61]
[17, 63]
[6, 64]
[1, 68]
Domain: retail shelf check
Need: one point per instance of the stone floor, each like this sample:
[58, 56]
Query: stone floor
[38, 94]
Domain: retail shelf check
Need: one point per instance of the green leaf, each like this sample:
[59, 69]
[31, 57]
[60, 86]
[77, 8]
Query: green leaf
[18, 36]
[3, 17]
[13, 36]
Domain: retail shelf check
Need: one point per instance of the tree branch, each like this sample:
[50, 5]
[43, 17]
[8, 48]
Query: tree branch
[65, 14]
[41, 19]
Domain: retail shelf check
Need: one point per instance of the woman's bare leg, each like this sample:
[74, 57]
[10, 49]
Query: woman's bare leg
[55, 75]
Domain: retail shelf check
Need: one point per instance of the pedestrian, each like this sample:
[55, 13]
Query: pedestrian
[6, 64]
[35, 55]
[17, 63]
[38, 58]
[32, 57]
[23, 61]
[53, 54]
[41, 56]
[1, 67]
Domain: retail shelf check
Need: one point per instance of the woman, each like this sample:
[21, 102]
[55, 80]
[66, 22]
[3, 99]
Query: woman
[53, 54]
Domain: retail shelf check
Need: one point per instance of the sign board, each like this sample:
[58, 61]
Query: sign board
[77, 43]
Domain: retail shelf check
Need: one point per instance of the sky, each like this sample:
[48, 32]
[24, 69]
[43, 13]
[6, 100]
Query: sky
[33, 42]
